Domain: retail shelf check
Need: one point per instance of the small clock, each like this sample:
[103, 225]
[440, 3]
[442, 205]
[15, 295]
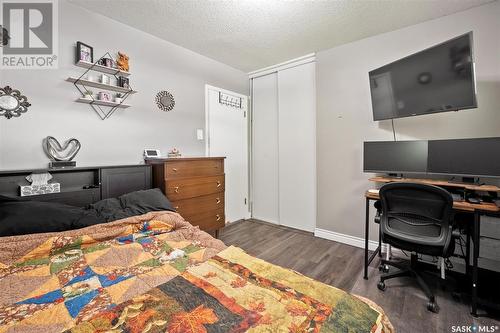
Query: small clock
[152, 153]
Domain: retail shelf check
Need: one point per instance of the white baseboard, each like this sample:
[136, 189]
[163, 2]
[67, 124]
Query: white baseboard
[346, 239]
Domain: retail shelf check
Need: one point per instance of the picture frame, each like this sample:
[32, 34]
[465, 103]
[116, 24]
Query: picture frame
[84, 52]
[123, 82]
[104, 96]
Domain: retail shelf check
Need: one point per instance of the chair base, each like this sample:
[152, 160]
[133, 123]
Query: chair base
[408, 269]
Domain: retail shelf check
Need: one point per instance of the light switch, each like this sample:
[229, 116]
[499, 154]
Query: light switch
[199, 134]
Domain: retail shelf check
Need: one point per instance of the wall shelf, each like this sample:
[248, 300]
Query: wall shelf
[104, 109]
[102, 103]
[102, 69]
[100, 85]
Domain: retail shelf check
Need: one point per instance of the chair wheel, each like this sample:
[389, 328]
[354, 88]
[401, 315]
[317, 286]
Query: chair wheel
[384, 268]
[381, 285]
[433, 307]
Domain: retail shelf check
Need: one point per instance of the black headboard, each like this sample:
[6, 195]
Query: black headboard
[81, 186]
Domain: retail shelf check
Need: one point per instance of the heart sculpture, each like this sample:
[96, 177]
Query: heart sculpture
[57, 152]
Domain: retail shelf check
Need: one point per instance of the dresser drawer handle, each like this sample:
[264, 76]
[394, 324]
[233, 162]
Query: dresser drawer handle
[176, 207]
[218, 217]
[174, 169]
[217, 200]
[218, 184]
[176, 189]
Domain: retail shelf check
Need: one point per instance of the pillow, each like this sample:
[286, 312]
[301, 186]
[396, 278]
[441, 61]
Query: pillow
[6, 198]
[106, 205]
[141, 202]
[19, 217]
[109, 209]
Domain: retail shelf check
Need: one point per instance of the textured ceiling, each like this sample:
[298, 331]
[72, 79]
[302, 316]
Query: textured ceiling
[252, 34]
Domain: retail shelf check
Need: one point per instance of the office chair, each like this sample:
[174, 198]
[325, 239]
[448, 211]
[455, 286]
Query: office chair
[416, 218]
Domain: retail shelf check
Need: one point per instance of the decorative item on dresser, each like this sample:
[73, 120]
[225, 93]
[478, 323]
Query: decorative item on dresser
[195, 186]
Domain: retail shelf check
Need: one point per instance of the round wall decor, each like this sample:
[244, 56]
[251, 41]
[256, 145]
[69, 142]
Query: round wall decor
[12, 102]
[165, 101]
[424, 78]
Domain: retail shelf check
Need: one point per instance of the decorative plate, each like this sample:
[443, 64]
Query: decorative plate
[165, 101]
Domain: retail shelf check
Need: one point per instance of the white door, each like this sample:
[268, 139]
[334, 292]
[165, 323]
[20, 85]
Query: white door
[297, 146]
[227, 135]
[265, 174]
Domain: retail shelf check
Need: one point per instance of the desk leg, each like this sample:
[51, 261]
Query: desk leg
[379, 242]
[467, 253]
[475, 255]
[367, 226]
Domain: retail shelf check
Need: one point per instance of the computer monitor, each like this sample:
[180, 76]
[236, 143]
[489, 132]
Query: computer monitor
[465, 157]
[395, 156]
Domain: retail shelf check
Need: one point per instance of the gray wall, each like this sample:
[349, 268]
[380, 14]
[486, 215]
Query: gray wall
[155, 65]
[344, 114]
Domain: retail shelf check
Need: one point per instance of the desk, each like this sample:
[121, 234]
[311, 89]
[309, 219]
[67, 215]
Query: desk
[437, 182]
[464, 206]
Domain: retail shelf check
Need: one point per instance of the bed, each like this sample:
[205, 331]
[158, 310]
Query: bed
[154, 272]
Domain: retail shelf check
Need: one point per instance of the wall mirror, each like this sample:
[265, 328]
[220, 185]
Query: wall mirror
[12, 103]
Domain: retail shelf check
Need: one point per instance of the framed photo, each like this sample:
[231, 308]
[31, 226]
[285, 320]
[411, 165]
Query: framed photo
[84, 52]
[104, 96]
[123, 82]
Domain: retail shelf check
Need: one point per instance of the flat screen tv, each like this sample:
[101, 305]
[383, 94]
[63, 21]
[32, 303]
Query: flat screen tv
[440, 78]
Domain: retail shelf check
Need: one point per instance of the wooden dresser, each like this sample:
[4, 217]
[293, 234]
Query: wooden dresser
[195, 186]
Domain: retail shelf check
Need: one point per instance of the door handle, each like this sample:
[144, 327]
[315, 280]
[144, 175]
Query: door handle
[217, 200]
[176, 189]
[218, 184]
[218, 217]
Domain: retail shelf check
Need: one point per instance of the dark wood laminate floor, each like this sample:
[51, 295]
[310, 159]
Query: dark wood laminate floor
[341, 266]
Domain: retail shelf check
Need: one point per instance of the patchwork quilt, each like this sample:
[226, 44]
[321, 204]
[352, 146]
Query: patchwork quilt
[157, 273]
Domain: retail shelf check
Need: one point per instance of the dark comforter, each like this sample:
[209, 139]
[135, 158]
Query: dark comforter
[20, 216]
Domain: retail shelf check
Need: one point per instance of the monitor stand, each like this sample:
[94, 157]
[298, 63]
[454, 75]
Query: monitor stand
[469, 180]
[395, 175]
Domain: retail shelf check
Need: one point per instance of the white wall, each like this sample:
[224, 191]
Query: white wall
[344, 114]
[155, 65]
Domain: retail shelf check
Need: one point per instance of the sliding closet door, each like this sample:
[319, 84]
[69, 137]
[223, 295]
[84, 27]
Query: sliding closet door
[297, 146]
[265, 186]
